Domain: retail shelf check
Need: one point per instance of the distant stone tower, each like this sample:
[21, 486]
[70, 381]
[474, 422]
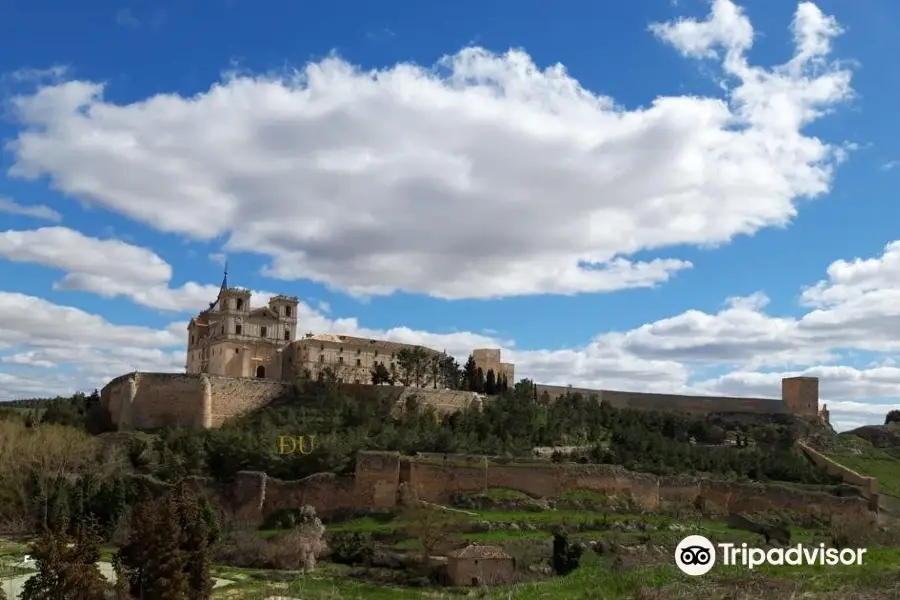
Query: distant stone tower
[801, 395]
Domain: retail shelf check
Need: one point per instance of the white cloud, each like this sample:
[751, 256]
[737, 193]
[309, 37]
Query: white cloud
[485, 176]
[37, 211]
[664, 356]
[107, 267]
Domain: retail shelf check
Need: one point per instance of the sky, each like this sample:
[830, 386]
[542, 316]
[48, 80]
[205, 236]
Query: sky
[683, 197]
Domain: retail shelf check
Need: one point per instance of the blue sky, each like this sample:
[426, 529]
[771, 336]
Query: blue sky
[667, 196]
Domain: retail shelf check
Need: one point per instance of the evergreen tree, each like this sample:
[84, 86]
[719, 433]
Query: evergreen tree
[470, 374]
[479, 380]
[153, 560]
[196, 540]
[67, 567]
[490, 383]
[566, 557]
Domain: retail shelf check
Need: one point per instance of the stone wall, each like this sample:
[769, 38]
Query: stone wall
[153, 400]
[868, 485]
[380, 477]
[232, 397]
[697, 405]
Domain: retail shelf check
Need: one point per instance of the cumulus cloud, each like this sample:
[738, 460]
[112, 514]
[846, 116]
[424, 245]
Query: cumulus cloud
[485, 175]
[669, 355]
[37, 211]
[107, 267]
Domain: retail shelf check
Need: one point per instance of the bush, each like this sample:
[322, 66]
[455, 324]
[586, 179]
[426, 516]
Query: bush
[351, 548]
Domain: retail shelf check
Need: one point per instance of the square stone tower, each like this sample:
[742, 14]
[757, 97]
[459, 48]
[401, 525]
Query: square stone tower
[801, 395]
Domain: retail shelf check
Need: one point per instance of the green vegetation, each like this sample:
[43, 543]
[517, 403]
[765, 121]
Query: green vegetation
[60, 466]
[856, 451]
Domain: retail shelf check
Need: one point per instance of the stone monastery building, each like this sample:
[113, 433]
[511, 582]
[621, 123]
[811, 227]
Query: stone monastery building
[232, 338]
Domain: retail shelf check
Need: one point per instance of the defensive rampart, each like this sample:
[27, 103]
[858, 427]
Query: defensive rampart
[380, 476]
[696, 405]
[153, 400]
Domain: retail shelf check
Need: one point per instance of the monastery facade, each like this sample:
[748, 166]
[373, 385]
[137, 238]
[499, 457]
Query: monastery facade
[232, 338]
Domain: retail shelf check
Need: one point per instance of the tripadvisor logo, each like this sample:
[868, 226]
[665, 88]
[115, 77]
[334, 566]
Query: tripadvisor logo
[696, 555]
[296, 444]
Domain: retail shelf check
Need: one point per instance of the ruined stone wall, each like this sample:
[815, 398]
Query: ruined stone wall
[697, 405]
[380, 477]
[436, 481]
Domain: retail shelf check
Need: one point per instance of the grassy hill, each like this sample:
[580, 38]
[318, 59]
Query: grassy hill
[873, 451]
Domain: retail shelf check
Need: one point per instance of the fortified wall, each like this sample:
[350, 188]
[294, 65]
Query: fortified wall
[200, 401]
[799, 396]
[153, 400]
[381, 476]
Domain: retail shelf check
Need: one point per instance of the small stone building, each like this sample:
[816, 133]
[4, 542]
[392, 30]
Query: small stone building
[480, 565]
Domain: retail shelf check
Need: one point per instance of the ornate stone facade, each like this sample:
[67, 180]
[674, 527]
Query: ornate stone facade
[233, 339]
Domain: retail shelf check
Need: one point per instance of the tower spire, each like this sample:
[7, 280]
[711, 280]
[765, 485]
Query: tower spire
[225, 278]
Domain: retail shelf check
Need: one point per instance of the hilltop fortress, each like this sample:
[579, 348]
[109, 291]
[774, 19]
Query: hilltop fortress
[239, 358]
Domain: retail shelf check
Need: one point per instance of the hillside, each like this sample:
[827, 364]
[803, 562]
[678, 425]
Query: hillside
[376, 552]
[874, 451]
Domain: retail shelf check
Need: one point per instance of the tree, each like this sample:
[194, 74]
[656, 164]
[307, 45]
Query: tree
[470, 374]
[380, 375]
[892, 417]
[153, 561]
[490, 383]
[450, 373]
[196, 539]
[429, 527]
[479, 380]
[566, 557]
[67, 567]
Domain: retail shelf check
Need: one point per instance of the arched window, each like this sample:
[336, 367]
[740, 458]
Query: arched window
[261, 372]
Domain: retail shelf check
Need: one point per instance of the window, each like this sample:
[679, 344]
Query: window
[392, 356]
[287, 311]
[376, 353]
[341, 350]
[341, 359]
[239, 303]
[358, 351]
[236, 350]
[287, 334]
[358, 362]
[321, 358]
[263, 332]
[357, 381]
[238, 329]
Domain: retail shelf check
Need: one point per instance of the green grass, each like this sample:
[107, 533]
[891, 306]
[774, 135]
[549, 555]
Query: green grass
[858, 454]
[598, 579]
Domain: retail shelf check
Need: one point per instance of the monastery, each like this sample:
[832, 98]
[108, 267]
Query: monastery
[241, 357]
[232, 338]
